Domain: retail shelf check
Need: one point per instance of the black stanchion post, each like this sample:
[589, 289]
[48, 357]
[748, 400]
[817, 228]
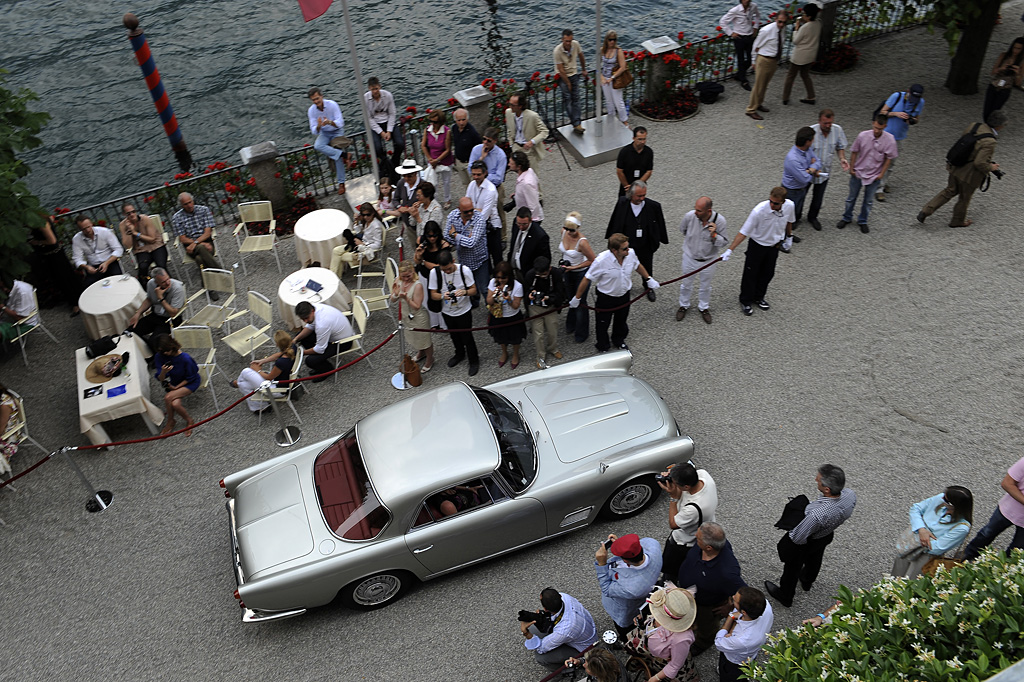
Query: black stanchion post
[98, 501]
[288, 435]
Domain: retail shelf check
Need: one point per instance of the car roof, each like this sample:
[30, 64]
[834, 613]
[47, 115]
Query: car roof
[441, 436]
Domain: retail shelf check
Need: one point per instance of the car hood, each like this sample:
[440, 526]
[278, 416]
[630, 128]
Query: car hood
[270, 520]
[589, 415]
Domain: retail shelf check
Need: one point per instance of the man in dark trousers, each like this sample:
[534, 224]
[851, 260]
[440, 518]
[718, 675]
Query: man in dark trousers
[528, 241]
[643, 223]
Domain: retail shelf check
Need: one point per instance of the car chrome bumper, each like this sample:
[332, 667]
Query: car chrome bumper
[251, 615]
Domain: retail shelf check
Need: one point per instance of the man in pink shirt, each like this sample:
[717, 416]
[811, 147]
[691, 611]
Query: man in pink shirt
[870, 157]
[1009, 512]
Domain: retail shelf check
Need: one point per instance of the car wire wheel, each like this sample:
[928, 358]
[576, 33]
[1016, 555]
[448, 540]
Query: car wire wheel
[632, 498]
[375, 591]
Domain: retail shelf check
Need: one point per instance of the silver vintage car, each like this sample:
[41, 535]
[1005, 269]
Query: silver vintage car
[447, 478]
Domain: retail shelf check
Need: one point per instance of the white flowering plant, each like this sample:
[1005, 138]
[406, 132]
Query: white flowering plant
[962, 624]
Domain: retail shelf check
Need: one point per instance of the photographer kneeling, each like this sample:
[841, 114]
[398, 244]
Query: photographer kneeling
[560, 629]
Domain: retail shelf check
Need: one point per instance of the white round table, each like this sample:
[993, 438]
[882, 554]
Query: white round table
[108, 304]
[318, 232]
[293, 290]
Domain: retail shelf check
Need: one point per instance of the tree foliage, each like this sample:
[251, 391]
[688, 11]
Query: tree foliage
[967, 27]
[20, 210]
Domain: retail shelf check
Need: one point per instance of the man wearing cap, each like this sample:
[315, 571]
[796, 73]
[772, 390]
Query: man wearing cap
[573, 630]
[405, 193]
[713, 575]
[704, 233]
[643, 222]
[627, 576]
[743, 633]
[673, 609]
[903, 109]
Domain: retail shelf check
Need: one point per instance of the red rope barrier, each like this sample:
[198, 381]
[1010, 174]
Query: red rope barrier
[12, 479]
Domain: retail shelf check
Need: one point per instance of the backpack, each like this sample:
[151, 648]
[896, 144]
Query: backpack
[878, 109]
[960, 153]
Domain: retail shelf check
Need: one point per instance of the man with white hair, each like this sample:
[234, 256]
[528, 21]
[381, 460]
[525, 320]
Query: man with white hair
[464, 138]
[193, 226]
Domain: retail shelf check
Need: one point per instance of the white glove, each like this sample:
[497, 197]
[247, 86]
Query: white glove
[726, 254]
[575, 302]
[652, 284]
[787, 244]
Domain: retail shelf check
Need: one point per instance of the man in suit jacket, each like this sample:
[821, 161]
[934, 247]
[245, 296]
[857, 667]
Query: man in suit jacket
[964, 180]
[643, 223]
[528, 241]
[525, 129]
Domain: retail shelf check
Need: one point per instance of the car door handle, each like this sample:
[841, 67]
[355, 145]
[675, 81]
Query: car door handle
[422, 549]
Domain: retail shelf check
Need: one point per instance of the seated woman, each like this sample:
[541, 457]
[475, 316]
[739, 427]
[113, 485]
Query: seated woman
[179, 374]
[600, 665]
[8, 410]
[369, 238]
[663, 640]
[253, 376]
[940, 523]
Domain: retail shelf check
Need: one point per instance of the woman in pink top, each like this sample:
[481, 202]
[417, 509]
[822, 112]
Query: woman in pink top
[673, 611]
[437, 149]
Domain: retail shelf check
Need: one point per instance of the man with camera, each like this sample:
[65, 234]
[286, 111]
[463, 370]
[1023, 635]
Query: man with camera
[560, 629]
[453, 285]
[902, 109]
[546, 287]
[965, 179]
[627, 569]
[693, 499]
[743, 633]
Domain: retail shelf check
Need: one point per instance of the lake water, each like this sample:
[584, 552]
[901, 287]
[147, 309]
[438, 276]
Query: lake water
[237, 72]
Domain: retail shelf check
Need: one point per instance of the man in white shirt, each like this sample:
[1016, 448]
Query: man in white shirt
[527, 192]
[769, 226]
[740, 23]
[454, 284]
[829, 141]
[383, 121]
[612, 275]
[693, 500]
[325, 328]
[19, 303]
[572, 630]
[768, 50]
[327, 123]
[95, 251]
[743, 633]
[484, 195]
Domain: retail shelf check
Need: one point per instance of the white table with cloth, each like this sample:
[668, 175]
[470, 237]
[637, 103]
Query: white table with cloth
[318, 232]
[108, 304]
[122, 396]
[294, 289]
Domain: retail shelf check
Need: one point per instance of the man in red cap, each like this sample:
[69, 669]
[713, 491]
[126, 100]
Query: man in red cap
[626, 572]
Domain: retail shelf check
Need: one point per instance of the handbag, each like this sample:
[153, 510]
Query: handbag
[907, 542]
[432, 305]
[429, 174]
[495, 309]
[622, 80]
[102, 346]
[792, 513]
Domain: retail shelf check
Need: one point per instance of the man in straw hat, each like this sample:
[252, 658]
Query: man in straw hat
[627, 576]
[743, 633]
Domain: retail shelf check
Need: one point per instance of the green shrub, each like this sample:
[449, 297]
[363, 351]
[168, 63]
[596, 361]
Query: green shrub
[963, 624]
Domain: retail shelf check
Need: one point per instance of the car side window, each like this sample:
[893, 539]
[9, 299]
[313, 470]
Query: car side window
[459, 499]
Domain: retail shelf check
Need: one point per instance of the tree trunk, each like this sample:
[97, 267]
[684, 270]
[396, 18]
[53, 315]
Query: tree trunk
[969, 59]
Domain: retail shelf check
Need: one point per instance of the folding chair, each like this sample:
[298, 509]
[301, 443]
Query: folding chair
[250, 337]
[183, 256]
[252, 212]
[380, 299]
[283, 394]
[28, 324]
[359, 314]
[214, 314]
[200, 338]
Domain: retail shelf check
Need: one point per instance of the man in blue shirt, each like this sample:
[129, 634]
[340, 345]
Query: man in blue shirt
[627, 576]
[903, 110]
[799, 170]
[572, 630]
[497, 163]
[327, 123]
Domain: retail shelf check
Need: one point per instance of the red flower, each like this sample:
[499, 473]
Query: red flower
[535, 76]
[411, 109]
[452, 101]
[547, 88]
[689, 45]
[296, 176]
[487, 81]
[512, 81]
[716, 72]
[251, 182]
[705, 37]
[680, 37]
[718, 28]
[504, 81]
[149, 198]
[277, 175]
[223, 201]
[547, 76]
[101, 223]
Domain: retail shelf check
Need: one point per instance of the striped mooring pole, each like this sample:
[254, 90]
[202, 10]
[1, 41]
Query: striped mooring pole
[157, 91]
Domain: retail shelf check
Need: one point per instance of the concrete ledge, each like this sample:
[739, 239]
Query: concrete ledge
[591, 149]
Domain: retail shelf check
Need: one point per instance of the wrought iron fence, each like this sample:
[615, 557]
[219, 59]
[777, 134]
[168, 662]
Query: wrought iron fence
[858, 20]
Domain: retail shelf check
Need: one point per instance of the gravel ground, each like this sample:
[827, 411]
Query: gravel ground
[890, 354]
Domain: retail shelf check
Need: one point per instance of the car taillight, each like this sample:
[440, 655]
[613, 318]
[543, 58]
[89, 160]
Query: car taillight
[227, 494]
[222, 483]
[236, 595]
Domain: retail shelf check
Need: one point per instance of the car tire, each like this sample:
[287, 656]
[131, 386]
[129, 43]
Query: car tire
[631, 498]
[376, 591]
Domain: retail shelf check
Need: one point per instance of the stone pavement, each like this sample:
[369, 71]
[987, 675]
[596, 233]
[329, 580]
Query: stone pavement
[892, 354]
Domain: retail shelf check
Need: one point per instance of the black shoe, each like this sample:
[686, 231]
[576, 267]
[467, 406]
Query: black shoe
[318, 379]
[776, 592]
[864, 228]
[841, 224]
[745, 85]
[747, 310]
[763, 305]
[796, 239]
[921, 216]
[456, 359]
[815, 224]
[806, 587]
[785, 101]
[651, 296]
[474, 367]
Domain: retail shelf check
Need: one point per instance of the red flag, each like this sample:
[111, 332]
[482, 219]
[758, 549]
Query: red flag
[311, 9]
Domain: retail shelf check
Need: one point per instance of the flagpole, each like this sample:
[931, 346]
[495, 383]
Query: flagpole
[360, 90]
[599, 94]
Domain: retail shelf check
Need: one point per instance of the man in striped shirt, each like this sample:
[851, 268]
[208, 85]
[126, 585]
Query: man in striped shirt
[801, 549]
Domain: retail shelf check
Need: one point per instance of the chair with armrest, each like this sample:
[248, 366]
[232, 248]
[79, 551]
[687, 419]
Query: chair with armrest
[252, 212]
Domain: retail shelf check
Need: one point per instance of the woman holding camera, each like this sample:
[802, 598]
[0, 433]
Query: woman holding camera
[576, 257]
[600, 665]
[368, 239]
[179, 374]
[937, 525]
[432, 243]
[504, 307]
[1006, 75]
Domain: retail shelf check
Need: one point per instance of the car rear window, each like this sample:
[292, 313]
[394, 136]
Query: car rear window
[518, 457]
[346, 496]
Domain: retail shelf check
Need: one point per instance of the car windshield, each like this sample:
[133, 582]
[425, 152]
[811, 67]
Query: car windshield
[518, 456]
[349, 504]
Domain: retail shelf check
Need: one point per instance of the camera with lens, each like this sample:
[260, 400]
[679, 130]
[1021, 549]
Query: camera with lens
[537, 298]
[451, 293]
[663, 477]
[543, 619]
[563, 263]
[998, 173]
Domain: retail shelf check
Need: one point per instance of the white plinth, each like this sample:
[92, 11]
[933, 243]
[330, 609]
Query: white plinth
[590, 149]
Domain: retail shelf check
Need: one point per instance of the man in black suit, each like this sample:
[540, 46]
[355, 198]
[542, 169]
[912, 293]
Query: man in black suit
[643, 223]
[527, 242]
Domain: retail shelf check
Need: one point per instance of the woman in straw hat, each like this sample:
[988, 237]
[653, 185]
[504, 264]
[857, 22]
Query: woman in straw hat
[665, 638]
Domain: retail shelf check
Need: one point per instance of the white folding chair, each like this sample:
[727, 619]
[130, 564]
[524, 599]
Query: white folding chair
[359, 314]
[246, 340]
[200, 338]
[29, 323]
[214, 314]
[186, 259]
[283, 394]
[380, 299]
[253, 212]
[17, 425]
